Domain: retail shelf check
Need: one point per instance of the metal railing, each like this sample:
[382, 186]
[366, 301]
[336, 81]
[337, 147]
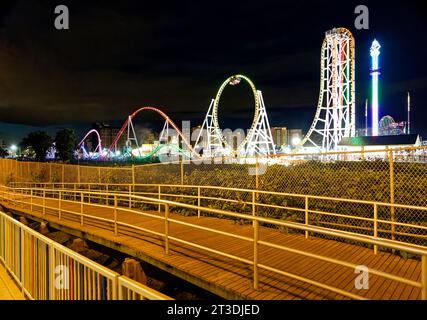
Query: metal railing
[129, 289]
[379, 219]
[56, 200]
[46, 270]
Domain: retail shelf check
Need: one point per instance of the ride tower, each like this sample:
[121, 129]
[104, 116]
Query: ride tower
[335, 114]
[375, 73]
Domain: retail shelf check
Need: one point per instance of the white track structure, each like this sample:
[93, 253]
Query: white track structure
[258, 141]
[211, 142]
[335, 114]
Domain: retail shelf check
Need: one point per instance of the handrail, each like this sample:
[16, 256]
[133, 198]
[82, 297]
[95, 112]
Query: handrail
[256, 220]
[367, 202]
[128, 289]
[325, 231]
[80, 273]
[198, 195]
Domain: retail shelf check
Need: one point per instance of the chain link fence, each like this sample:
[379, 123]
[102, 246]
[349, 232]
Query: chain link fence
[396, 176]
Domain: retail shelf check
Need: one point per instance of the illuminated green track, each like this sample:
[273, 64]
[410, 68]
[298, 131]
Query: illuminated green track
[160, 147]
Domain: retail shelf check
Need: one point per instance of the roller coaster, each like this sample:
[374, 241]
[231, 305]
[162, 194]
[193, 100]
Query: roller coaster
[83, 153]
[335, 114]
[333, 120]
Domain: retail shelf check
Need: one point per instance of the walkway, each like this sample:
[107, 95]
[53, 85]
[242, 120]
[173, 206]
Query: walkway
[230, 278]
[8, 288]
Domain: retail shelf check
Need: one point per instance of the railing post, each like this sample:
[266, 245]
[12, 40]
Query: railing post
[159, 191]
[424, 277]
[52, 295]
[59, 204]
[106, 195]
[133, 175]
[22, 253]
[256, 237]
[253, 207]
[31, 200]
[306, 216]
[375, 226]
[115, 215]
[256, 173]
[78, 174]
[166, 228]
[63, 175]
[392, 209]
[81, 208]
[130, 198]
[198, 201]
[182, 171]
[44, 201]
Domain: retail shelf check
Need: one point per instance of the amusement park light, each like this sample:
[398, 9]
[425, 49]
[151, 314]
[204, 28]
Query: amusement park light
[287, 150]
[295, 141]
[117, 153]
[375, 71]
[13, 148]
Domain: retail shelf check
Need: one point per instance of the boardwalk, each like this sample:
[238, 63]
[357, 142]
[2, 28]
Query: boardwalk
[8, 288]
[230, 278]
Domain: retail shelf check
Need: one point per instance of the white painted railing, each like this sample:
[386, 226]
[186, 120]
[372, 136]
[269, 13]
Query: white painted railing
[46, 270]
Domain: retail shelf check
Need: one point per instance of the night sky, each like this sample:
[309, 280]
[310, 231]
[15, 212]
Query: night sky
[174, 55]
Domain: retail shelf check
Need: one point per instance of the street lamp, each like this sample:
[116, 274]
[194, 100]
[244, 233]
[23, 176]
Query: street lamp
[13, 150]
[296, 141]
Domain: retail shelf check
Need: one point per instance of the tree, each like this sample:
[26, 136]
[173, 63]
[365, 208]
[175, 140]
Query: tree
[65, 143]
[3, 152]
[39, 142]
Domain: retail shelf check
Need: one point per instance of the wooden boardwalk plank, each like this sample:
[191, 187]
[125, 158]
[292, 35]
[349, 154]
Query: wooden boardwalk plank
[233, 276]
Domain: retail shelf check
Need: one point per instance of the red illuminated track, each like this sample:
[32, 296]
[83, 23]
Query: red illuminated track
[164, 115]
[99, 146]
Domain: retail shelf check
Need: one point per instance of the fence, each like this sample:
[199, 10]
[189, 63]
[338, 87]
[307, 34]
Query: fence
[396, 222]
[395, 176]
[46, 270]
[388, 175]
[115, 204]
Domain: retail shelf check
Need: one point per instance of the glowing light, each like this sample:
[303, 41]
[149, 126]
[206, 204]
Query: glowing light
[13, 148]
[295, 141]
[375, 52]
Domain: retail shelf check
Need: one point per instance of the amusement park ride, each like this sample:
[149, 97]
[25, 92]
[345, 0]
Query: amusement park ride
[334, 118]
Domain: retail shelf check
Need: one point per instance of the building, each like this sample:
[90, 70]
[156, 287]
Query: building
[280, 136]
[107, 134]
[379, 142]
